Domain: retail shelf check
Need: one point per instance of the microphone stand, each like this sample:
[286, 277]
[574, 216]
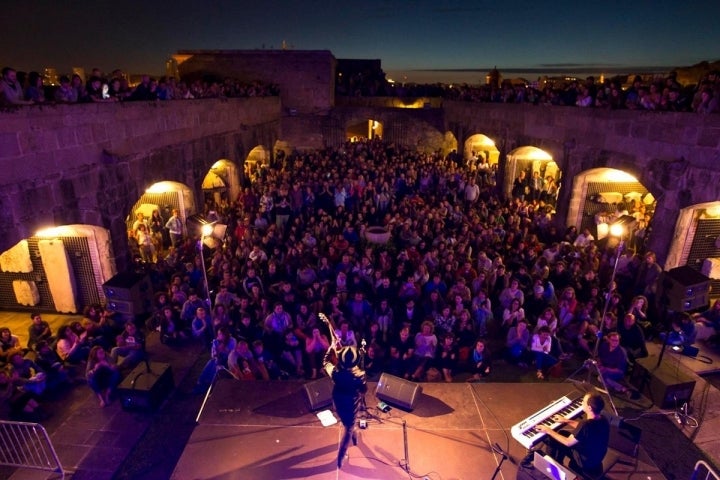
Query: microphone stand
[503, 456]
[364, 412]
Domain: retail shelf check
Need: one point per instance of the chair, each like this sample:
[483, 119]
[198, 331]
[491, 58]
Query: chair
[624, 446]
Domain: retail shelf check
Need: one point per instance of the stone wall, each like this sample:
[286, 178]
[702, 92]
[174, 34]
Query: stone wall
[88, 164]
[306, 78]
[675, 155]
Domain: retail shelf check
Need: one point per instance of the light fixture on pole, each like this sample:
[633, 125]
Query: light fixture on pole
[617, 230]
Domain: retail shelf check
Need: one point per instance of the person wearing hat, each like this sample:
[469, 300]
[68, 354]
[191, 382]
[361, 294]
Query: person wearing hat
[348, 392]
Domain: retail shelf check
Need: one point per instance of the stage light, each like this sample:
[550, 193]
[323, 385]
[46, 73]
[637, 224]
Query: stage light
[617, 230]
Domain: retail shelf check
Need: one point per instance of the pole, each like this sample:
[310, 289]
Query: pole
[607, 300]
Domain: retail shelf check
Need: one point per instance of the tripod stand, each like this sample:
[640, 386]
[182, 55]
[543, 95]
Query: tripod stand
[592, 367]
[365, 413]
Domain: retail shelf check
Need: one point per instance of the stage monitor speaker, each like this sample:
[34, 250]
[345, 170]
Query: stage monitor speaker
[397, 391]
[685, 289]
[319, 393]
[666, 385]
[144, 389]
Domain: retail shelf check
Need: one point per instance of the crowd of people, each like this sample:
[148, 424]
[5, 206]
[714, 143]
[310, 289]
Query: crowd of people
[17, 88]
[466, 279]
[658, 94]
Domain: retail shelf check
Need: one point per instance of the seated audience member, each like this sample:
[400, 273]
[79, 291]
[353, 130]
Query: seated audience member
[39, 330]
[70, 347]
[268, 367]
[683, 330]
[50, 363]
[613, 362]
[221, 347]
[708, 322]
[518, 339]
[28, 374]
[20, 403]
[242, 363]
[542, 350]
[480, 361]
[130, 345]
[102, 375]
[446, 357]
[632, 338]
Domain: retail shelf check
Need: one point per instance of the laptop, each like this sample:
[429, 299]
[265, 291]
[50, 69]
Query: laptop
[551, 468]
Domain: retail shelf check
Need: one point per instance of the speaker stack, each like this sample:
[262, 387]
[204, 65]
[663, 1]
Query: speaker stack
[128, 295]
[666, 385]
[685, 289]
[397, 391]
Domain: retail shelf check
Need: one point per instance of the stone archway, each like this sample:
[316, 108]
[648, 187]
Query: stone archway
[259, 159]
[222, 182]
[601, 195]
[479, 146]
[364, 130]
[528, 161]
[450, 143]
[696, 241]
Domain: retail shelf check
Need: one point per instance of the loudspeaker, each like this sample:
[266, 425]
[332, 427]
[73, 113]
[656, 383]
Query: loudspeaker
[319, 393]
[145, 389]
[128, 294]
[685, 289]
[666, 385]
[398, 391]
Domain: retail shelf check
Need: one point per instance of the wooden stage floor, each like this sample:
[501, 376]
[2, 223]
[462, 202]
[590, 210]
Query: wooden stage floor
[265, 430]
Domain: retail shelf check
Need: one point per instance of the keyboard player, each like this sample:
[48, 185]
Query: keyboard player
[585, 440]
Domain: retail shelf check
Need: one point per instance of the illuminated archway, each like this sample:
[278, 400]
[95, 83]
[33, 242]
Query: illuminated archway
[529, 159]
[258, 159]
[479, 147]
[367, 129]
[165, 197]
[696, 242]
[222, 182]
[600, 195]
[450, 143]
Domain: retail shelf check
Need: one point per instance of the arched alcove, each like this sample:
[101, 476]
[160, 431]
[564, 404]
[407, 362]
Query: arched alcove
[366, 129]
[259, 158]
[528, 161]
[601, 195]
[696, 241]
[478, 147]
[59, 269]
[222, 183]
[450, 143]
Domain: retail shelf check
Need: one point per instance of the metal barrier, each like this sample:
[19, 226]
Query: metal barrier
[702, 466]
[27, 445]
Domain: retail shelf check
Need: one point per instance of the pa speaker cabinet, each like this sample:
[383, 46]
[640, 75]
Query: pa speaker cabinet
[666, 385]
[685, 289]
[128, 293]
[319, 393]
[397, 391]
[146, 389]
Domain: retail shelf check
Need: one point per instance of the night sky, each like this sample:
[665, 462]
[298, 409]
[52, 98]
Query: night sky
[411, 38]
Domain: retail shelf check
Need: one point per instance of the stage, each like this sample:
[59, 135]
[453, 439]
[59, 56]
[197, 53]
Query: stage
[265, 430]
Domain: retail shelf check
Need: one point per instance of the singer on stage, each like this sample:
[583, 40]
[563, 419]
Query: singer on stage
[348, 391]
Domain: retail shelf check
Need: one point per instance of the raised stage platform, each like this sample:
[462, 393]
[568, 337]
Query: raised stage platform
[265, 430]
